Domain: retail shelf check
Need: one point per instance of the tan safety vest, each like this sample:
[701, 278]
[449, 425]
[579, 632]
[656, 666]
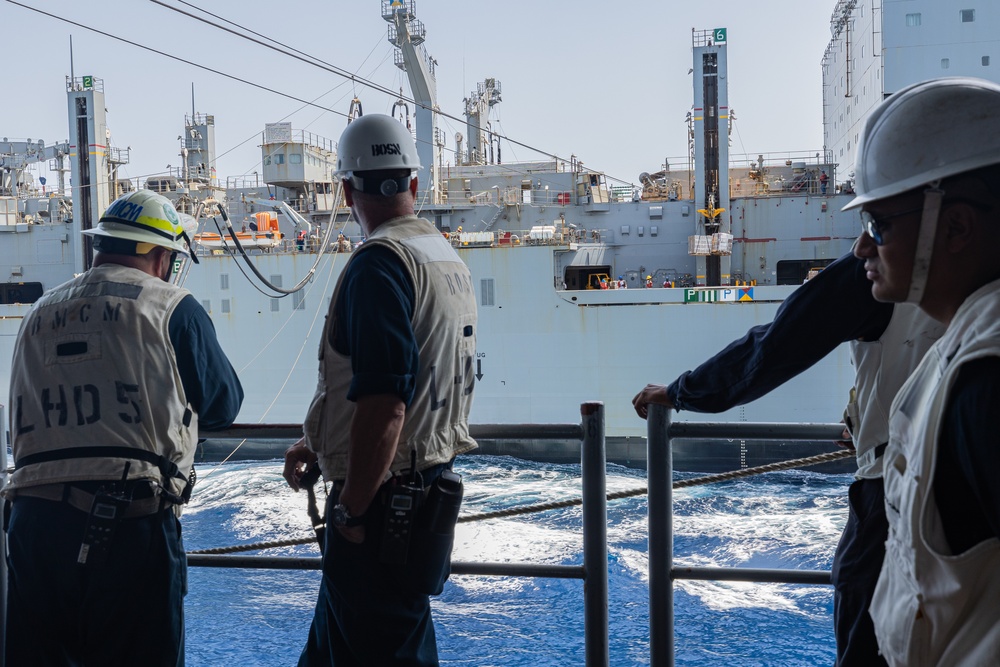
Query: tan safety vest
[931, 607]
[881, 368]
[94, 384]
[436, 424]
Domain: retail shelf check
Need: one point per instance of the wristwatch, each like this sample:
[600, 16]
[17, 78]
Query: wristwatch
[342, 518]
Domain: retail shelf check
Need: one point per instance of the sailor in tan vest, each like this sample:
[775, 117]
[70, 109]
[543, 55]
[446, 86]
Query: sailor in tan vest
[927, 171]
[389, 415]
[114, 374]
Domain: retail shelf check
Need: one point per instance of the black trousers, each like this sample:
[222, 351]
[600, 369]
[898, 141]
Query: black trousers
[125, 612]
[856, 566]
[368, 613]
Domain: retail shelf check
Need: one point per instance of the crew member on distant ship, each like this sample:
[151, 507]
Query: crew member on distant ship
[649, 281]
[114, 374]
[621, 283]
[343, 245]
[886, 344]
[390, 413]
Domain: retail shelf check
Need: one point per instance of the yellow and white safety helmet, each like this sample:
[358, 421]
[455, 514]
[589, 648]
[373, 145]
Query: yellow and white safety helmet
[146, 218]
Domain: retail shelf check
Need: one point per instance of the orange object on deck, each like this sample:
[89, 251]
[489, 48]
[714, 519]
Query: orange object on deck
[267, 221]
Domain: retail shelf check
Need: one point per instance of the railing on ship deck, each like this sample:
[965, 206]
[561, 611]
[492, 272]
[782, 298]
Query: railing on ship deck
[594, 571]
[659, 481]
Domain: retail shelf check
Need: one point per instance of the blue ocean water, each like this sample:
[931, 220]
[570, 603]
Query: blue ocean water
[789, 519]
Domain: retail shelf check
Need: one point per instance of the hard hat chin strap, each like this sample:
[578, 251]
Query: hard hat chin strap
[925, 243]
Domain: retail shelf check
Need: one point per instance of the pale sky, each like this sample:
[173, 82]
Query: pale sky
[605, 81]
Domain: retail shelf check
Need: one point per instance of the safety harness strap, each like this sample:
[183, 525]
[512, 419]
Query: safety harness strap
[167, 467]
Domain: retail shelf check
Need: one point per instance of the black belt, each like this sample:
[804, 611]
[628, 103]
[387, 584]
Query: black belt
[428, 476]
[80, 495]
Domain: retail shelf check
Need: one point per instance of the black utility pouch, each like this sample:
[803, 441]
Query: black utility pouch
[430, 552]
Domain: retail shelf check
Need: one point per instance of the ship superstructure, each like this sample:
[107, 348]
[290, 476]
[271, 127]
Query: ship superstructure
[881, 46]
[710, 246]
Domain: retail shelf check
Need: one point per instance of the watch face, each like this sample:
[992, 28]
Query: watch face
[340, 515]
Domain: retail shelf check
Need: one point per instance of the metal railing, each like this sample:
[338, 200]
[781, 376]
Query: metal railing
[594, 571]
[659, 477]
[593, 472]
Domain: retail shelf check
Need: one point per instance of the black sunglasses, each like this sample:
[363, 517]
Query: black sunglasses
[875, 227]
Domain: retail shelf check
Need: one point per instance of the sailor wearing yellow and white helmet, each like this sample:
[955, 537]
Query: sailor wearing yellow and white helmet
[927, 173]
[391, 411]
[113, 374]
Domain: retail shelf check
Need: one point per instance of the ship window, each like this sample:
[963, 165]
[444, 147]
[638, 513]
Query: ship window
[945, 63]
[225, 306]
[795, 271]
[299, 300]
[986, 61]
[275, 303]
[20, 292]
[295, 158]
[912, 20]
[267, 160]
[224, 281]
[486, 292]
[207, 305]
[279, 159]
[968, 15]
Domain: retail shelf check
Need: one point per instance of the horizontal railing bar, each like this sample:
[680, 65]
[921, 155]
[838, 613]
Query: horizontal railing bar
[255, 562]
[686, 430]
[316, 563]
[479, 431]
[519, 570]
[755, 431]
[757, 575]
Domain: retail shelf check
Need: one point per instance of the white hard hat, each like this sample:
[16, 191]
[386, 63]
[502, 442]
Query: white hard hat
[927, 132]
[144, 217]
[375, 142]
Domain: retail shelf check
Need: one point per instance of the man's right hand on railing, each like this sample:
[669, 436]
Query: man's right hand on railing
[651, 393]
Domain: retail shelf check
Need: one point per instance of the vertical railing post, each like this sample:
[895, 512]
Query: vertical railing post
[593, 470]
[659, 473]
[3, 537]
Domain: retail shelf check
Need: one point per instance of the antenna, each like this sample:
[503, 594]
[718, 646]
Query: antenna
[71, 79]
[192, 102]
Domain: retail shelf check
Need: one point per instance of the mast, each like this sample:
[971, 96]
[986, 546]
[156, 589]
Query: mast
[477, 109]
[90, 159]
[711, 159]
[407, 34]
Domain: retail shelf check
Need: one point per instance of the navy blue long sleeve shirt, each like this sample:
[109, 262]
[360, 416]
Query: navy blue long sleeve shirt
[834, 307]
[210, 382]
[965, 480]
